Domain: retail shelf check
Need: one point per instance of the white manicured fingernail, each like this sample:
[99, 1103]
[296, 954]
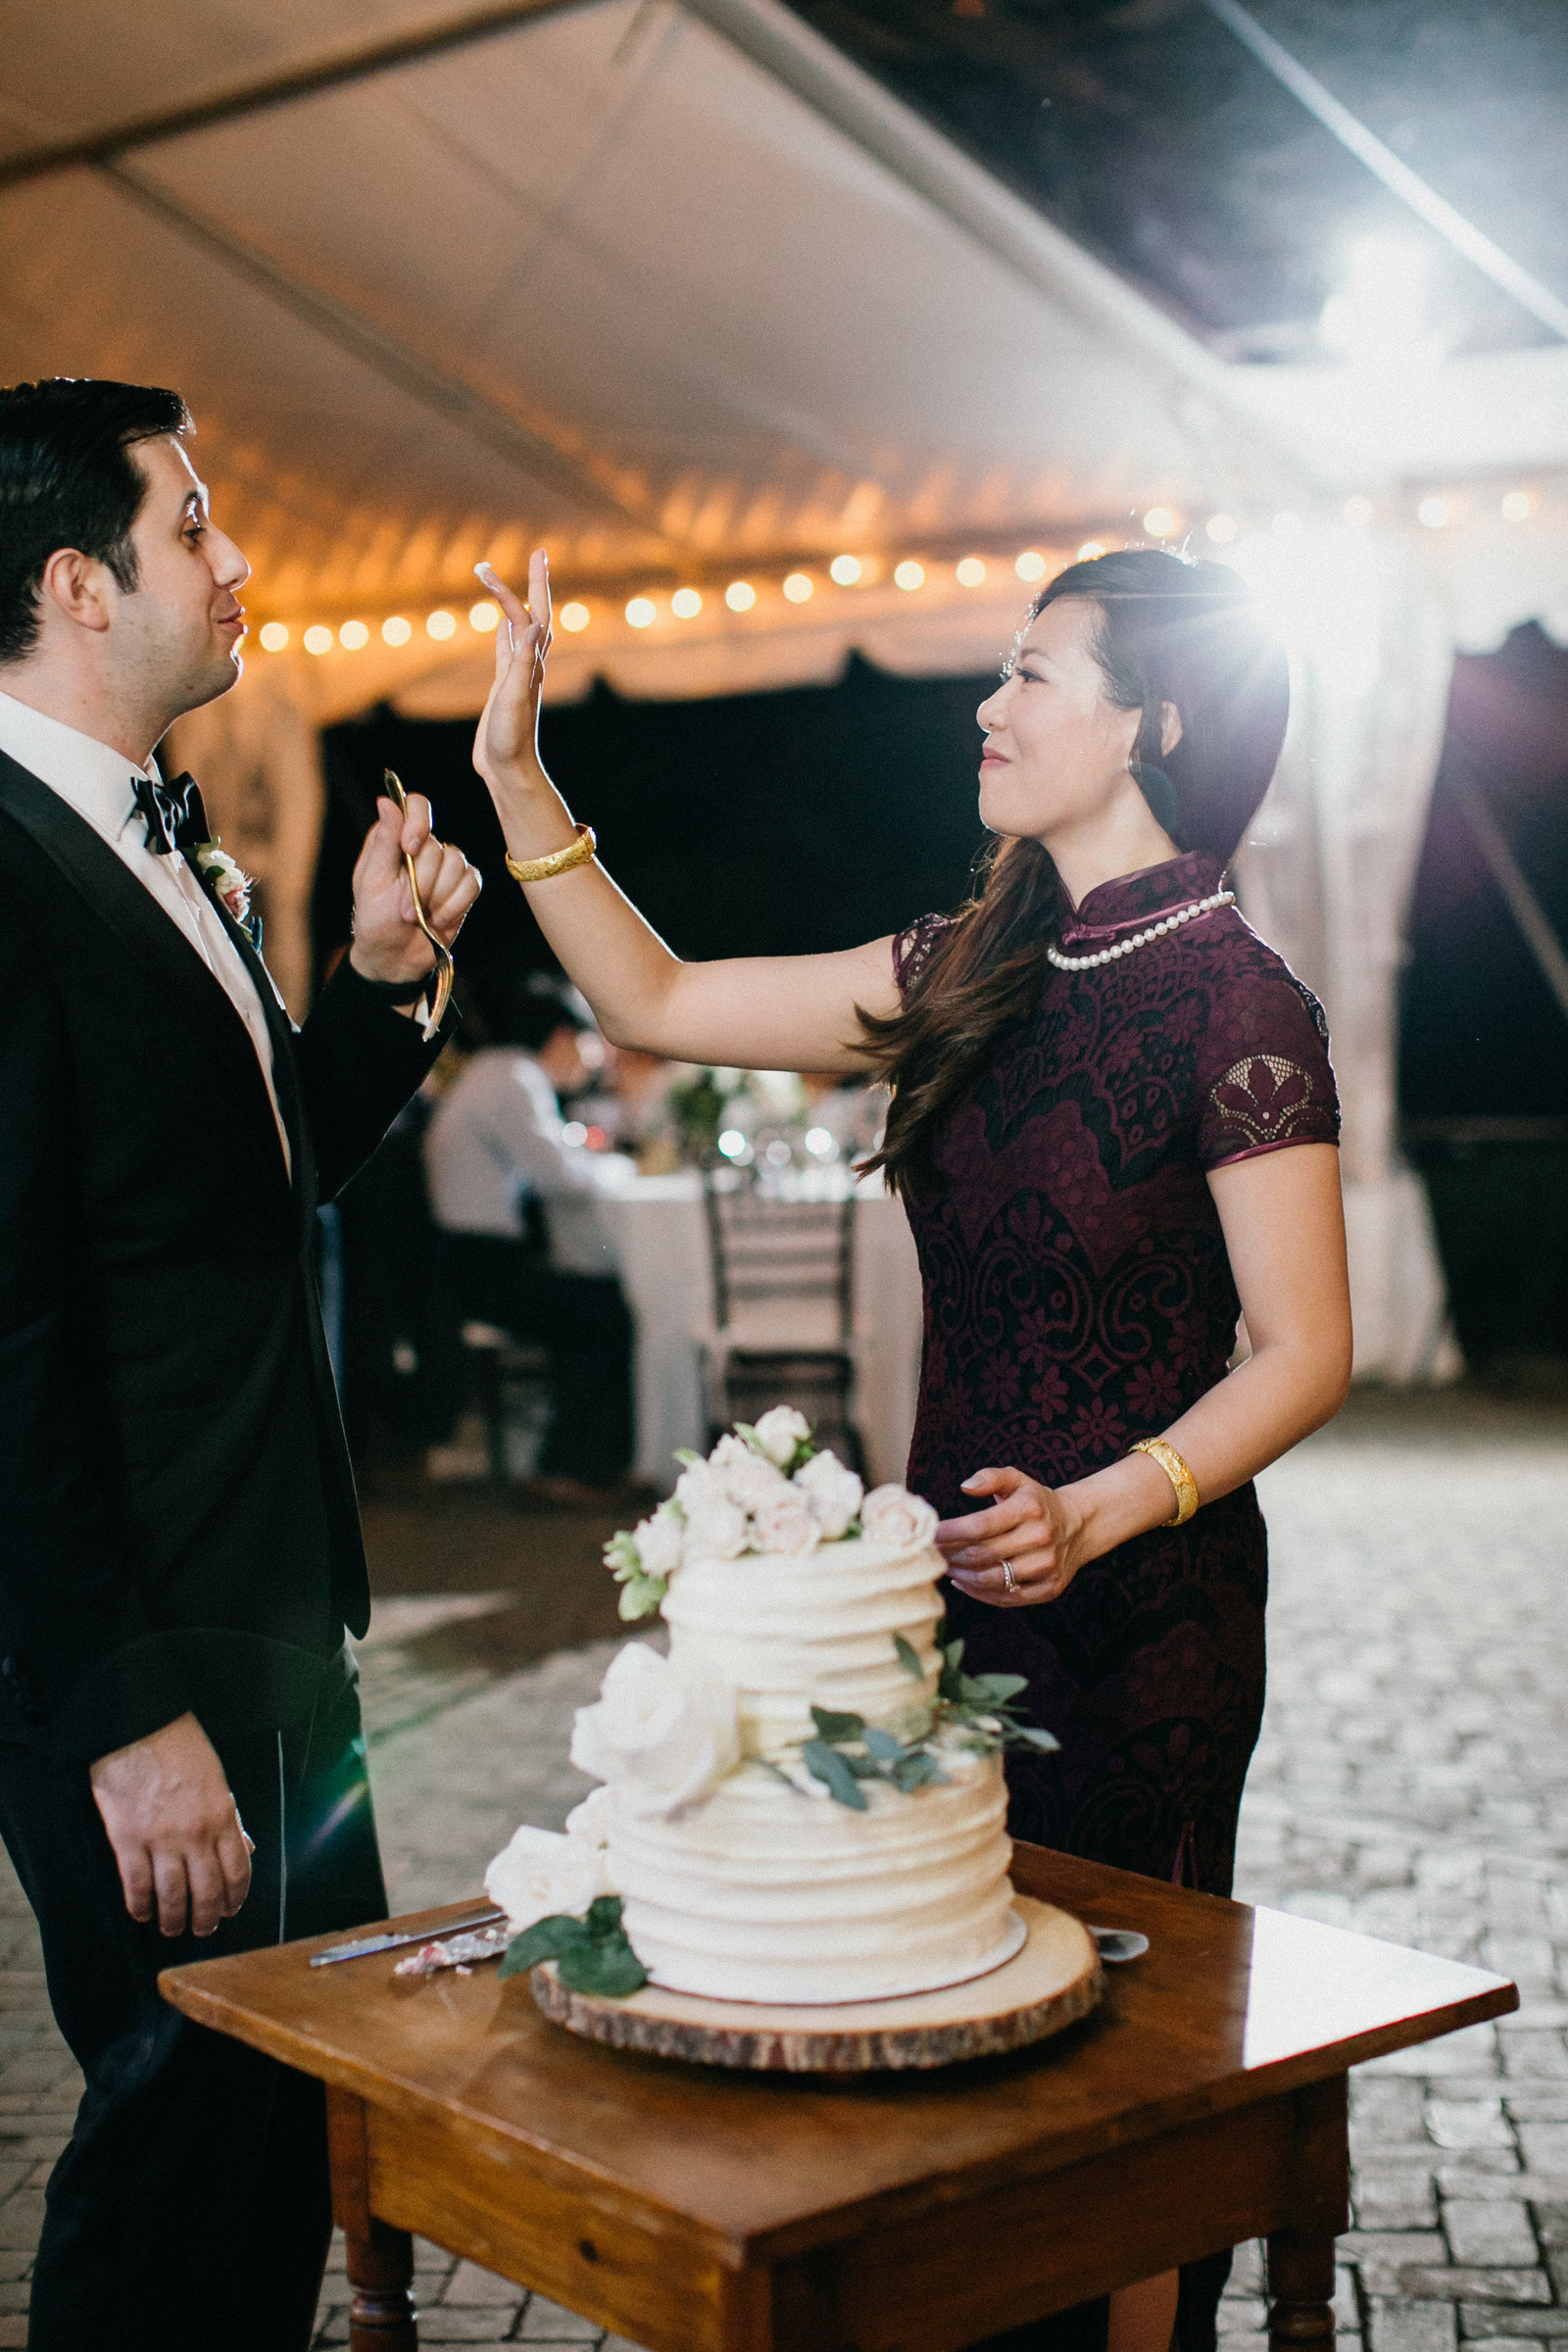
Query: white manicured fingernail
[490, 578]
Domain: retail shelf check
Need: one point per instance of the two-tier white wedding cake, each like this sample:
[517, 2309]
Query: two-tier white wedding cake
[802, 1802]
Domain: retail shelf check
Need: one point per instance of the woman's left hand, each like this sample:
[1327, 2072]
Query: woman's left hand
[1027, 1526]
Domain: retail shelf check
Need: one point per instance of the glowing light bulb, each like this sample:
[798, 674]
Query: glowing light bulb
[484, 616]
[396, 630]
[970, 572]
[641, 612]
[685, 603]
[275, 636]
[440, 626]
[845, 569]
[909, 575]
[1432, 513]
[1221, 528]
[1031, 564]
[798, 587]
[318, 639]
[574, 617]
[1357, 511]
[1090, 549]
[1160, 522]
[1515, 507]
[352, 635]
[740, 596]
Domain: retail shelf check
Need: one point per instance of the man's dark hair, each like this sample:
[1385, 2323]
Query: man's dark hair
[68, 479]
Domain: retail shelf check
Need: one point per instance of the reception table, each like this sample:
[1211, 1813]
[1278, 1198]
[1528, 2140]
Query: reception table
[697, 2210]
[657, 1235]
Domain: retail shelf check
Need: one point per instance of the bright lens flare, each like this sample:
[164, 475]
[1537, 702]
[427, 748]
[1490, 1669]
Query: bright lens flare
[798, 587]
[318, 639]
[1160, 522]
[1221, 528]
[574, 617]
[685, 603]
[641, 612]
[275, 636]
[740, 596]
[909, 575]
[440, 626]
[396, 630]
[1432, 513]
[352, 635]
[845, 569]
[1515, 507]
[484, 616]
[1031, 564]
[970, 572]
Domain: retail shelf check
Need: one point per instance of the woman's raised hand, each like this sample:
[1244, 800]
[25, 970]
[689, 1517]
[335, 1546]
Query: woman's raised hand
[506, 745]
[1027, 1526]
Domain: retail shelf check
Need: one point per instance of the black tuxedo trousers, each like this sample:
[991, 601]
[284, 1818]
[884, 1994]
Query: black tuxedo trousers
[178, 1533]
[191, 2210]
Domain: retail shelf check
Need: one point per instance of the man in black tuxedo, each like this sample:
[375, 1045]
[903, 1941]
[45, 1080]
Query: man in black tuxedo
[181, 1765]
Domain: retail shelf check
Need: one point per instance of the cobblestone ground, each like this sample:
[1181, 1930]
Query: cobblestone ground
[1412, 1782]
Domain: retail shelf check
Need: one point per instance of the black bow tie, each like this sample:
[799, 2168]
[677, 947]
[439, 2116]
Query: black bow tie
[172, 812]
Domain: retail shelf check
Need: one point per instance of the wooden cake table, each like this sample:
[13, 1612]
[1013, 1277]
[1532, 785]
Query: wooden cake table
[701, 2209]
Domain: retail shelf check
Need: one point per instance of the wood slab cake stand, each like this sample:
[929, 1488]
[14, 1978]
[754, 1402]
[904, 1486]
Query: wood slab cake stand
[707, 2208]
[1051, 1981]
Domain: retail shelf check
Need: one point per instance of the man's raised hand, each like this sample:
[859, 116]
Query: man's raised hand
[388, 943]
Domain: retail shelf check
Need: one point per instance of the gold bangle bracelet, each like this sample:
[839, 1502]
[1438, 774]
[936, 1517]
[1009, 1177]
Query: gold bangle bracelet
[1176, 1470]
[558, 862]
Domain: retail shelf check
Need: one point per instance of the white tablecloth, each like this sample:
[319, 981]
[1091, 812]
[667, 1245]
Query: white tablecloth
[657, 1229]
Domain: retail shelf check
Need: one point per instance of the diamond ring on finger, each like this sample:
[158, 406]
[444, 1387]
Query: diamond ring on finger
[1007, 1577]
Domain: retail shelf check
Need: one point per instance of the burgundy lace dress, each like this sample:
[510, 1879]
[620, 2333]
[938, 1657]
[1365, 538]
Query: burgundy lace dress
[1078, 1295]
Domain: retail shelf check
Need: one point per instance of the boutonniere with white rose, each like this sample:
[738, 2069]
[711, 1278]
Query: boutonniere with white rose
[228, 880]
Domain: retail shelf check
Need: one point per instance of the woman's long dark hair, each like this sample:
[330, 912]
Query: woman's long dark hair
[1166, 630]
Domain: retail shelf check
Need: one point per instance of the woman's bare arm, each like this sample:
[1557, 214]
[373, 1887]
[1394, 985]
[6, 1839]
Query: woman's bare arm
[792, 1012]
[1284, 1226]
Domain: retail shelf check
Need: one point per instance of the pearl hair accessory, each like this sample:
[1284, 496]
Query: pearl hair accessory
[1140, 939]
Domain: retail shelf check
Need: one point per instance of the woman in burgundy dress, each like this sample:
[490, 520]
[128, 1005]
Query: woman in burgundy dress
[1112, 1125]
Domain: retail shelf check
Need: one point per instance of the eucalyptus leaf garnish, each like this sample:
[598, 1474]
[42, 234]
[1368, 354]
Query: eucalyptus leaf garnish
[977, 1710]
[591, 1953]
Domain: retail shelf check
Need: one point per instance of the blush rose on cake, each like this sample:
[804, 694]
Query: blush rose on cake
[802, 1802]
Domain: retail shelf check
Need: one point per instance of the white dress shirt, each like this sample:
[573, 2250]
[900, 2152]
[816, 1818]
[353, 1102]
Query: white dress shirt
[494, 1138]
[98, 783]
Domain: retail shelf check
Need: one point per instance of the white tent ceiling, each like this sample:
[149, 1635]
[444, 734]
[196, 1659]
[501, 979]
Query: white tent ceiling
[675, 288]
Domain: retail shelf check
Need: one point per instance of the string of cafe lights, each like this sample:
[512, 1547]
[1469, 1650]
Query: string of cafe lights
[910, 574]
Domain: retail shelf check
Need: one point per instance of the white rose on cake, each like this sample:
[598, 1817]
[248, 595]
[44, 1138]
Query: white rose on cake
[778, 1433]
[751, 1484]
[542, 1875]
[785, 1522]
[590, 1820]
[892, 1515]
[661, 1743]
[659, 1542]
[833, 1492]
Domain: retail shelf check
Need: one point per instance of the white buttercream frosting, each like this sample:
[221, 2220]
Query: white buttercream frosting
[787, 1633]
[766, 1894]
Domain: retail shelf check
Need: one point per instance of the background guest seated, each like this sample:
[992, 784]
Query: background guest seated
[525, 1248]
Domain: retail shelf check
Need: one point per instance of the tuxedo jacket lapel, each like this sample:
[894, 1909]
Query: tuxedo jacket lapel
[147, 934]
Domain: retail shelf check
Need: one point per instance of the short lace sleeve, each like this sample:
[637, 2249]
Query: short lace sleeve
[913, 949]
[1266, 1079]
